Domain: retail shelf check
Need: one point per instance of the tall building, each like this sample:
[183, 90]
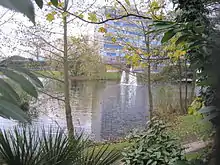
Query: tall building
[128, 30]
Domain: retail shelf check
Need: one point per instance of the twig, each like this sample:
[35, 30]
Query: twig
[122, 6]
[53, 97]
[53, 78]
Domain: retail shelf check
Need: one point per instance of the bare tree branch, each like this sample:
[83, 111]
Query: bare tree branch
[83, 11]
[122, 6]
[53, 97]
[53, 78]
[109, 19]
[8, 19]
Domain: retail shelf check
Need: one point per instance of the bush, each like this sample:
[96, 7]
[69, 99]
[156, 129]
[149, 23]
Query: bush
[27, 146]
[153, 147]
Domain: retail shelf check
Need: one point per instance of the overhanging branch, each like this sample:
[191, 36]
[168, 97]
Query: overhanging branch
[110, 19]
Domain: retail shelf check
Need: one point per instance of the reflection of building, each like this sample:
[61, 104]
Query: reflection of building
[119, 33]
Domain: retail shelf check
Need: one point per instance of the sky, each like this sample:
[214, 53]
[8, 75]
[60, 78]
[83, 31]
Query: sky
[11, 22]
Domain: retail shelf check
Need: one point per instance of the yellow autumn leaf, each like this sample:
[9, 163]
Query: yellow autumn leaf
[114, 40]
[61, 4]
[50, 17]
[108, 16]
[102, 30]
[64, 14]
[49, 3]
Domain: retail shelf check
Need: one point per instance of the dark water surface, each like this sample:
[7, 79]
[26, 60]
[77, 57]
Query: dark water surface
[102, 109]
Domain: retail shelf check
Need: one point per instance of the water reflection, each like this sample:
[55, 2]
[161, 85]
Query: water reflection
[104, 110]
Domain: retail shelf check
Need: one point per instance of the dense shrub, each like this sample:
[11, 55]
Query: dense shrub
[154, 146]
[28, 146]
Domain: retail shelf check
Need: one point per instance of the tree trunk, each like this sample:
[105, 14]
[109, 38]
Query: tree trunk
[147, 44]
[66, 82]
[180, 87]
[193, 86]
[150, 97]
[149, 90]
[186, 87]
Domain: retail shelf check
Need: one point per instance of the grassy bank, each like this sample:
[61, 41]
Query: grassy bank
[111, 76]
[190, 128]
[48, 73]
[186, 129]
[105, 76]
[57, 74]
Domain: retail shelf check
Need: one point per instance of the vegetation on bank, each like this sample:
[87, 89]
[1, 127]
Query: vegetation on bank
[58, 74]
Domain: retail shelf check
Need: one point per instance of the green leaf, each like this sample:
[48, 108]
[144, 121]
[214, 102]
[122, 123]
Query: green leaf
[50, 17]
[211, 116]
[23, 6]
[207, 109]
[64, 14]
[160, 28]
[168, 35]
[92, 17]
[39, 3]
[181, 39]
[154, 163]
[81, 16]
[54, 2]
[128, 2]
[26, 85]
[180, 162]
[7, 89]
[199, 29]
[10, 110]
[149, 161]
[32, 76]
[108, 16]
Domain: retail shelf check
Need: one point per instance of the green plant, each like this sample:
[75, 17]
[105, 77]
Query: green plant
[10, 102]
[195, 106]
[28, 146]
[153, 147]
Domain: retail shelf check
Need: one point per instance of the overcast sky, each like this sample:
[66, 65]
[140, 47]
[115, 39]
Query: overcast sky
[10, 23]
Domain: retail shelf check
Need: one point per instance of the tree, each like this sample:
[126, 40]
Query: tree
[84, 59]
[176, 54]
[196, 29]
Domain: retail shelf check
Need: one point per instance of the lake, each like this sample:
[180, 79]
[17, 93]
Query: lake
[104, 110]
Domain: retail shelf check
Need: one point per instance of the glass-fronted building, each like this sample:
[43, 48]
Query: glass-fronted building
[120, 33]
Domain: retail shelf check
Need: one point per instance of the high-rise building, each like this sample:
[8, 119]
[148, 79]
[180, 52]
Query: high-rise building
[121, 32]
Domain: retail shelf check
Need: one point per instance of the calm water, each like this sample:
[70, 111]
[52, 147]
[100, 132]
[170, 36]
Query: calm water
[102, 109]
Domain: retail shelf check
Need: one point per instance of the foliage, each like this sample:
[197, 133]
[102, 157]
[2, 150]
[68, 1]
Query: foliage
[173, 50]
[195, 106]
[24, 6]
[83, 59]
[153, 146]
[168, 74]
[11, 102]
[25, 146]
